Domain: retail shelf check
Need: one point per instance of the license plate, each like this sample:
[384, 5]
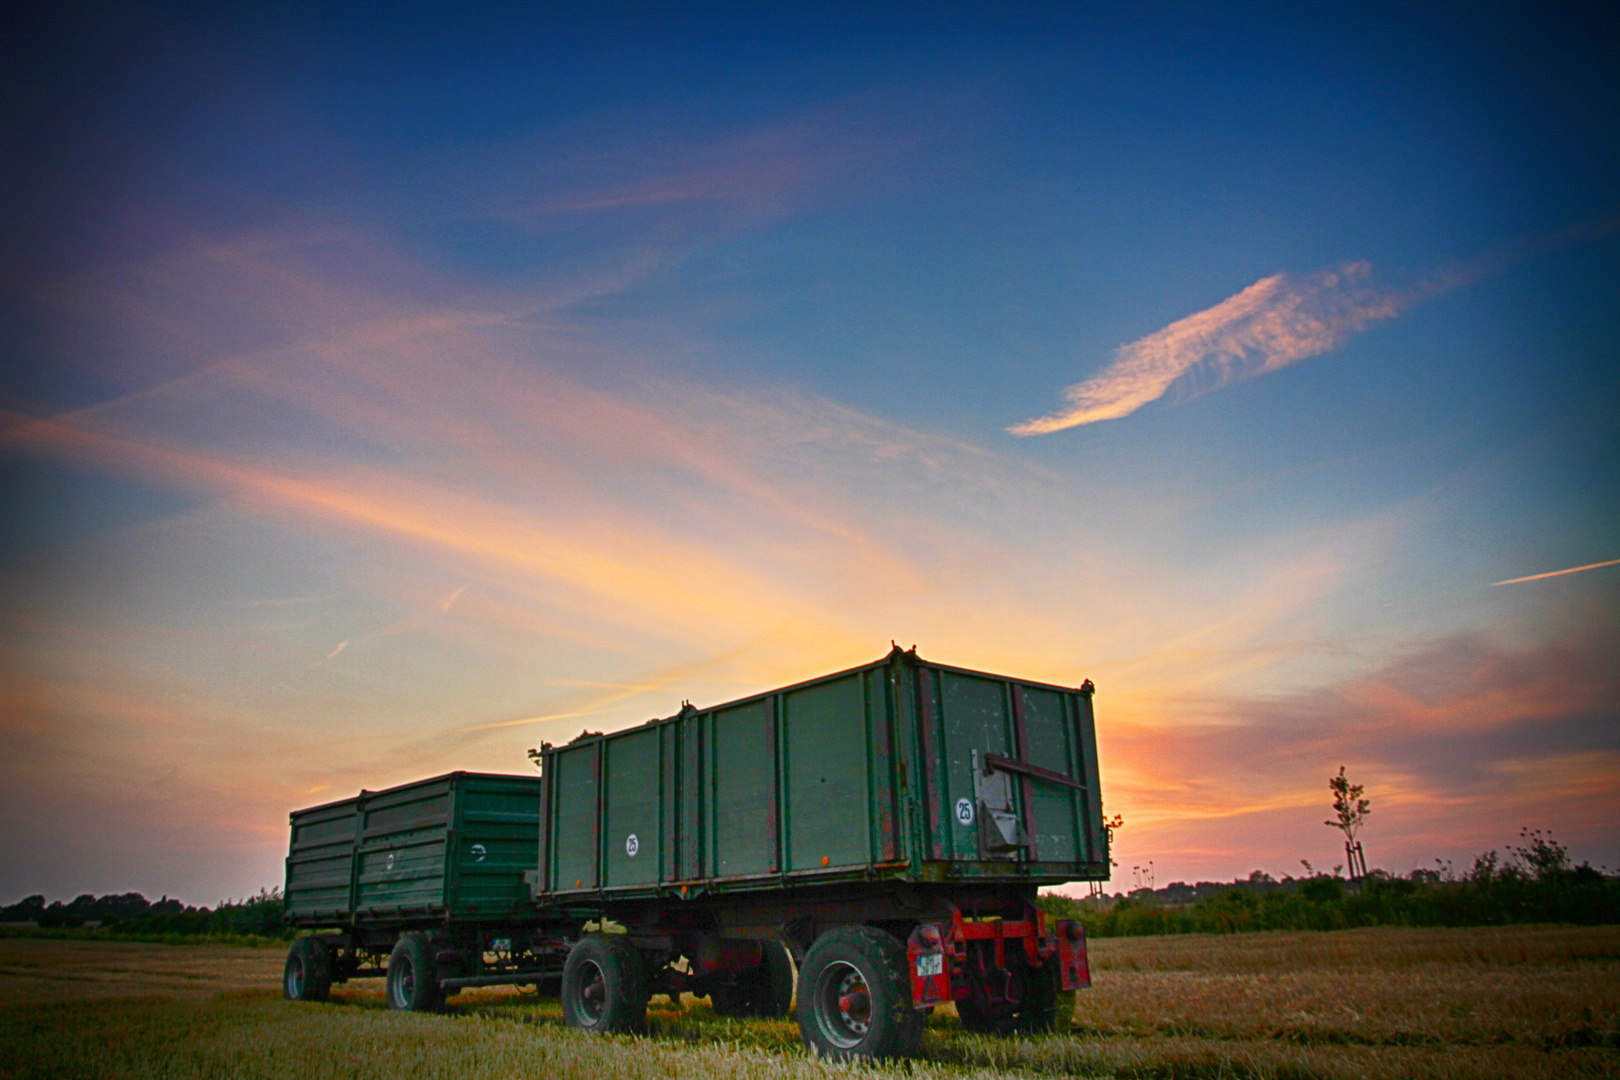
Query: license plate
[930, 965]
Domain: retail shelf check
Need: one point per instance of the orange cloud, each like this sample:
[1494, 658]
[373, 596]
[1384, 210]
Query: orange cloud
[1460, 742]
[655, 577]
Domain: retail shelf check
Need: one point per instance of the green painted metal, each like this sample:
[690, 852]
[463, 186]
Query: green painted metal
[1055, 811]
[453, 846]
[631, 809]
[975, 717]
[744, 778]
[828, 792]
[573, 818]
[858, 775]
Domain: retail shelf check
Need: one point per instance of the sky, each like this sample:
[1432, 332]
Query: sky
[386, 390]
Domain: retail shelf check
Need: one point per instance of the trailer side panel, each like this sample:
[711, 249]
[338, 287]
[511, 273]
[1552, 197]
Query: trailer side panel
[450, 846]
[896, 769]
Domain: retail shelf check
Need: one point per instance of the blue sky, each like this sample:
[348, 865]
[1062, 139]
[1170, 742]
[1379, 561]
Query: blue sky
[388, 390]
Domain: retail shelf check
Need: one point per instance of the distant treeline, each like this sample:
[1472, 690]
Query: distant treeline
[131, 914]
[1535, 884]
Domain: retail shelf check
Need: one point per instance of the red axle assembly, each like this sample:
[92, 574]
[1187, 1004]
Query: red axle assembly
[938, 954]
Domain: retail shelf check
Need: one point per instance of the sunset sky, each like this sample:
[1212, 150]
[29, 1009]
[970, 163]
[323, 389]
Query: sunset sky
[386, 390]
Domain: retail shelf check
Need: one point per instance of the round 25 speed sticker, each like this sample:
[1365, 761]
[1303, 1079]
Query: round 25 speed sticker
[631, 845]
[964, 811]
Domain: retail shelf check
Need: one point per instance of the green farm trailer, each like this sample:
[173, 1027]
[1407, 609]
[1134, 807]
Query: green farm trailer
[431, 870]
[882, 830]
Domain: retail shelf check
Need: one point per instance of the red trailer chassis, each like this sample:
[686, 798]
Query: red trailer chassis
[984, 958]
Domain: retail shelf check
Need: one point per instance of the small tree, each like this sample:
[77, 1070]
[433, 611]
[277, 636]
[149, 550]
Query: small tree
[1542, 857]
[1111, 825]
[1351, 812]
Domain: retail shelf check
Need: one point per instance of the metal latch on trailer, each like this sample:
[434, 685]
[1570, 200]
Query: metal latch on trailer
[1000, 834]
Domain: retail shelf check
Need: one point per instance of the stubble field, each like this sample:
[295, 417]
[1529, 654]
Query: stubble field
[1512, 1002]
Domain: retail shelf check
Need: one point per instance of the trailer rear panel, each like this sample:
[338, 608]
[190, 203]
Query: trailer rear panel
[453, 846]
[897, 769]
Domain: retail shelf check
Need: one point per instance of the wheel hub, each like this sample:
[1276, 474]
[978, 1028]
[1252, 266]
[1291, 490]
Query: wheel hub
[855, 1003]
[593, 992]
[844, 1005]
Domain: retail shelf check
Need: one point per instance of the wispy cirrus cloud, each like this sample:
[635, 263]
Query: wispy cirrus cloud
[642, 518]
[752, 175]
[1277, 321]
[762, 170]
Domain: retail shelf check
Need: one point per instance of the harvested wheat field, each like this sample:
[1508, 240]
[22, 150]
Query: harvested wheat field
[38, 970]
[1509, 1002]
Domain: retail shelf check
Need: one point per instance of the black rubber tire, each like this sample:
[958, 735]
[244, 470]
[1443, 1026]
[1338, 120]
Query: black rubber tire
[765, 991]
[308, 973]
[604, 986]
[413, 974]
[1039, 1011]
[984, 1019]
[1035, 1014]
[732, 999]
[841, 966]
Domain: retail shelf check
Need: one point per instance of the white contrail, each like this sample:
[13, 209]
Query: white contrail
[344, 644]
[450, 601]
[1273, 323]
[1556, 573]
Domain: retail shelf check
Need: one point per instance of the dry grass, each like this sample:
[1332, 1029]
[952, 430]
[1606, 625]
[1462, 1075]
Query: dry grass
[238, 1037]
[1513, 1002]
[1381, 987]
[37, 970]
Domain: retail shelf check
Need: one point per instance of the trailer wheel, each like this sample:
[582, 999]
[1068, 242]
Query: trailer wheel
[1038, 1014]
[1035, 1011]
[764, 991]
[855, 997]
[308, 974]
[604, 987]
[413, 974]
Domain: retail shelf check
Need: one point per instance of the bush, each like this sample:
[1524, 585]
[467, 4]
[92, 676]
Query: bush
[1535, 884]
[132, 915]
[1321, 889]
